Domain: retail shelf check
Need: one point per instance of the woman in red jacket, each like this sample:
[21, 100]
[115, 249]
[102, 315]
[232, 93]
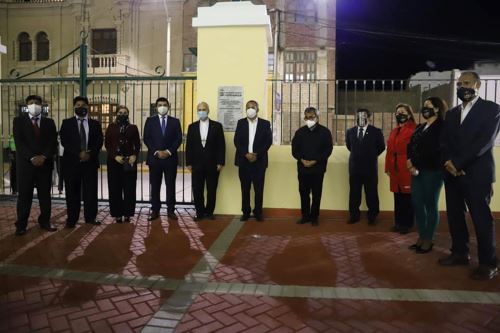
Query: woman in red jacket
[395, 168]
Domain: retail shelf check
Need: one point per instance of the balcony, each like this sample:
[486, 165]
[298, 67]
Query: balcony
[104, 64]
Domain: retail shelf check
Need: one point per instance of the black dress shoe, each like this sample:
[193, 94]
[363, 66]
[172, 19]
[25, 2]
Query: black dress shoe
[69, 226]
[454, 260]
[395, 228]
[172, 216]
[119, 220]
[353, 220]
[20, 232]
[210, 216]
[303, 220]
[315, 222]
[126, 219]
[93, 222]
[372, 221]
[197, 218]
[244, 217]
[422, 250]
[404, 231]
[48, 227]
[259, 218]
[484, 273]
[153, 216]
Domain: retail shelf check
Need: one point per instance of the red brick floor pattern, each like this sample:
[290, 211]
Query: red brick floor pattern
[224, 313]
[339, 255]
[41, 305]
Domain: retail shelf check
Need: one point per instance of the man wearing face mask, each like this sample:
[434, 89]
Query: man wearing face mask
[311, 146]
[36, 141]
[366, 143]
[162, 136]
[205, 157]
[253, 138]
[82, 139]
[468, 138]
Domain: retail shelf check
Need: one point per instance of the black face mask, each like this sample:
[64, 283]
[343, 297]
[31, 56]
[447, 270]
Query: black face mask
[466, 94]
[401, 118]
[428, 113]
[81, 111]
[122, 119]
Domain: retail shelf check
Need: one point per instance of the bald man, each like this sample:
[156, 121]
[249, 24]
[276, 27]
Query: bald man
[205, 157]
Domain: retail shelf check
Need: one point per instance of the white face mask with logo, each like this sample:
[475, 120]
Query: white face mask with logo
[251, 113]
[34, 109]
[163, 110]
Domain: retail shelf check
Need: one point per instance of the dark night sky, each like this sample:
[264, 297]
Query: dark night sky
[360, 55]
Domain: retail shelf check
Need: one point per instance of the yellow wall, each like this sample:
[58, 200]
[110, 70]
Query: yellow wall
[240, 62]
[281, 187]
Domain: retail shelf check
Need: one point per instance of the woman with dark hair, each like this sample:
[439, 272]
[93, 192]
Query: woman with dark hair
[123, 146]
[396, 169]
[425, 165]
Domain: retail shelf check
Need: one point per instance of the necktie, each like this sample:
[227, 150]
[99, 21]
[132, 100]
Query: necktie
[360, 133]
[163, 125]
[36, 128]
[83, 136]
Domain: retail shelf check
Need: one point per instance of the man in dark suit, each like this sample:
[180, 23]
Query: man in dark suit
[36, 141]
[162, 136]
[82, 140]
[366, 143]
[205, 157]
[311, 146]
[467, 144]
[253, 138]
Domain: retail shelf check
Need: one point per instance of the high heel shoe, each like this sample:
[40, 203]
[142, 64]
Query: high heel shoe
[422, 250]
[414, 247]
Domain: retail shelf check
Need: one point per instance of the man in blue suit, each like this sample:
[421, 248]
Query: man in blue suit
[467, 144]
[162, 136]
[253, 138]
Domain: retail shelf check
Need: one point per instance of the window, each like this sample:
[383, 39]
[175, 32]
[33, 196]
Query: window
[42, 46]
[103, 112]
[24, 43]
[189, 62]
[305, 11]
[104, 41]
[300, 65]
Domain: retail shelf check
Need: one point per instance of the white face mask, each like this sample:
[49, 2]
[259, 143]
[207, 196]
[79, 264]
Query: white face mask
[251, 113]
[310, 123]
[34, 109]
[163, 110]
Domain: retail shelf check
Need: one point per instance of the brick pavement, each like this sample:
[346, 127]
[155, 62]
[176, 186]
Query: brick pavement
[265, 277]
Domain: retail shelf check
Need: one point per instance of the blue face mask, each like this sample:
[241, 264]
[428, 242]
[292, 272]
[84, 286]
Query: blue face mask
[203, 115]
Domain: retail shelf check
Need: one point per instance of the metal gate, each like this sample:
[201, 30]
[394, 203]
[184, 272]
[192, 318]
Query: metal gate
[105, 92]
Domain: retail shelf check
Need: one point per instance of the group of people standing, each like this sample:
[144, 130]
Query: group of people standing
[451, 147]
[454, 147]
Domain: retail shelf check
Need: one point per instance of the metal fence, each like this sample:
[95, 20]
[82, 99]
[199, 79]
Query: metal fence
[336, 101]
[104, 94]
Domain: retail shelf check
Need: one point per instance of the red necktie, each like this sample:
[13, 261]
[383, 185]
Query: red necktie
[36, 129]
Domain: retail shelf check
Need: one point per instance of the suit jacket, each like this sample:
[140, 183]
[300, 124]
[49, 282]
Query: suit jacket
[395, 158]
[213, 153]
[70, 140]
[364, 153]
[315, 145]
[131, 146]
[470, 145]
[424, 149]
[27, 145]
[261, 144]
[155, 140]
